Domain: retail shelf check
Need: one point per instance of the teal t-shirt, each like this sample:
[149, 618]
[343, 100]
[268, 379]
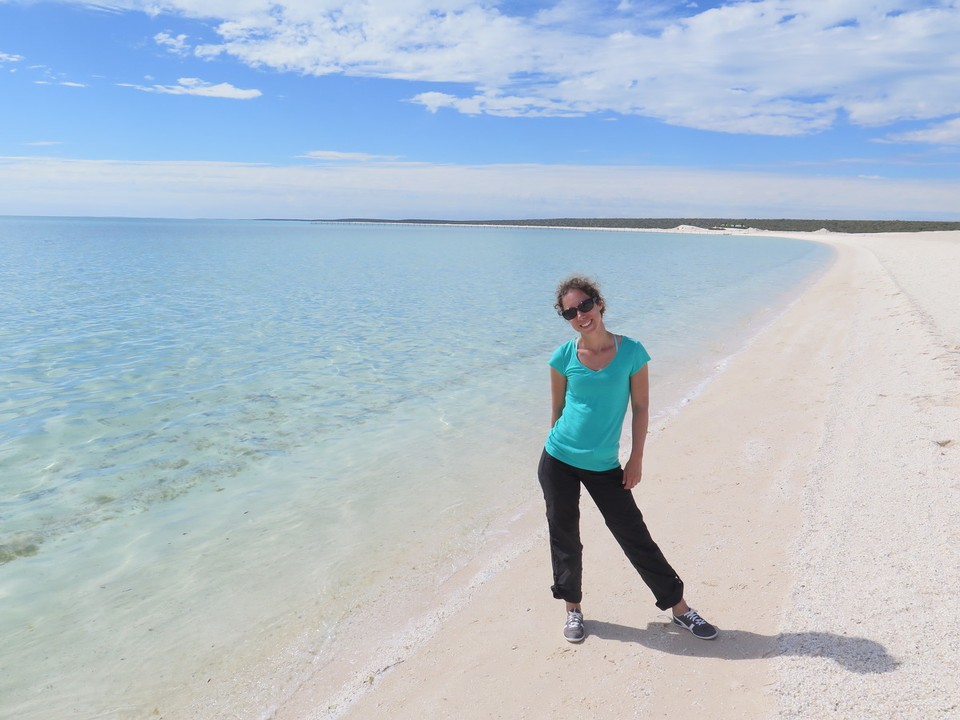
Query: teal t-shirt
[587, 435]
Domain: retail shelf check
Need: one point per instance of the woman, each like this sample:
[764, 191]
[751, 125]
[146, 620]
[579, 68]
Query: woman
[592, 378]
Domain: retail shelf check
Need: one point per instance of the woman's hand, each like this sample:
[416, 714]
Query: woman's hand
[632, 473]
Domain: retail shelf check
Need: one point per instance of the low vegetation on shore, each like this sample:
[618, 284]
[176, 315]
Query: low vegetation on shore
[784, 225]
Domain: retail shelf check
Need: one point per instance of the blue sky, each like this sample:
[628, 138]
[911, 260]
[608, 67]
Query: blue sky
[480, 110]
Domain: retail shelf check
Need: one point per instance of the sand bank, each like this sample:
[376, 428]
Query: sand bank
[809, 497]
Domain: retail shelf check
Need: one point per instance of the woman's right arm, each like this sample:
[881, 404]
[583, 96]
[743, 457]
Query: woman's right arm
[558, 394]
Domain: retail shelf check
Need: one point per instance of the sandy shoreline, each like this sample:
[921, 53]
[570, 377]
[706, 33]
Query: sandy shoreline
[809, 497]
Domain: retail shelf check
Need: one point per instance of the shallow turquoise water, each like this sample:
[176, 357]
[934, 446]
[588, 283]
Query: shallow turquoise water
[210, 428]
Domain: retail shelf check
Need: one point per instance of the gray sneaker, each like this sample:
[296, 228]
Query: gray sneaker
[692, 621]
[573, 628]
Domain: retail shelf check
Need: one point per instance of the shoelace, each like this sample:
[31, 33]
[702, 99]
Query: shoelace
[574, 620]
[694, 619]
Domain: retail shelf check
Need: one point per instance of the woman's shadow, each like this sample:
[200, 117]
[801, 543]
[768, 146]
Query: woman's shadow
[857, 655]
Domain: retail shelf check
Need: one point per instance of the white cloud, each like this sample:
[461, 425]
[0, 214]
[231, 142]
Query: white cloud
[493, 104]
[176, 45]
[9, 58]
[52, 78]
[195, 86]
[106, 7]
[52, 186]
[772, 67]
[44, 143]
[947, 133]
[335, 156]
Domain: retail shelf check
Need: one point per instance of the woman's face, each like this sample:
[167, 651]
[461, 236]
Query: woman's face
[585, 320]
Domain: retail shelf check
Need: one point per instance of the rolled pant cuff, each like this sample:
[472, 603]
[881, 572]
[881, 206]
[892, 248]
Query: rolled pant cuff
[672, 600]
[570, 597]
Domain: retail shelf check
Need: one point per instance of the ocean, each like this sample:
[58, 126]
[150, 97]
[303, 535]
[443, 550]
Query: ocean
[221, 441]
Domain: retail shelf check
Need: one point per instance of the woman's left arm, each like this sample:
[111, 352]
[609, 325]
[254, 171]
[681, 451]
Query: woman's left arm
[640, 407]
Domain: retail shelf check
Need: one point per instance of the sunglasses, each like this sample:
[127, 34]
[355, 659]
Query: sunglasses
[584, 307]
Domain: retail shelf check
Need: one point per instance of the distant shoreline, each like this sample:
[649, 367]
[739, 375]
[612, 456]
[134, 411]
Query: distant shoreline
[702, 225]
[714, 224]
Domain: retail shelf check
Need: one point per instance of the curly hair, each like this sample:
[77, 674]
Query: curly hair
[584, 285]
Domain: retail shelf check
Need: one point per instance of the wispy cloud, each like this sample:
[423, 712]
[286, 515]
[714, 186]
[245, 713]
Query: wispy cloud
[401, 189]
[947, 133]
[770, 67]
[50, 77]
[9, 58]
[109, 7]
[335, 156]
[195, 86]
[43, 143]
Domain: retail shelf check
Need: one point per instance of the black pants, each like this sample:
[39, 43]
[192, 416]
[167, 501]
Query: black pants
[561, 491]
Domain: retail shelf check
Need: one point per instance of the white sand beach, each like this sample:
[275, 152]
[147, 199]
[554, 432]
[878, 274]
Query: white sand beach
[809, 497]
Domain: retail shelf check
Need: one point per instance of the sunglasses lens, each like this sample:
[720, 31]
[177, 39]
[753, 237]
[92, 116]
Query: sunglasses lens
[584, 307]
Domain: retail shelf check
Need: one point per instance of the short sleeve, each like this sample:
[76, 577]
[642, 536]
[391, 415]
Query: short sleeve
[560, 359]
[640, 357]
